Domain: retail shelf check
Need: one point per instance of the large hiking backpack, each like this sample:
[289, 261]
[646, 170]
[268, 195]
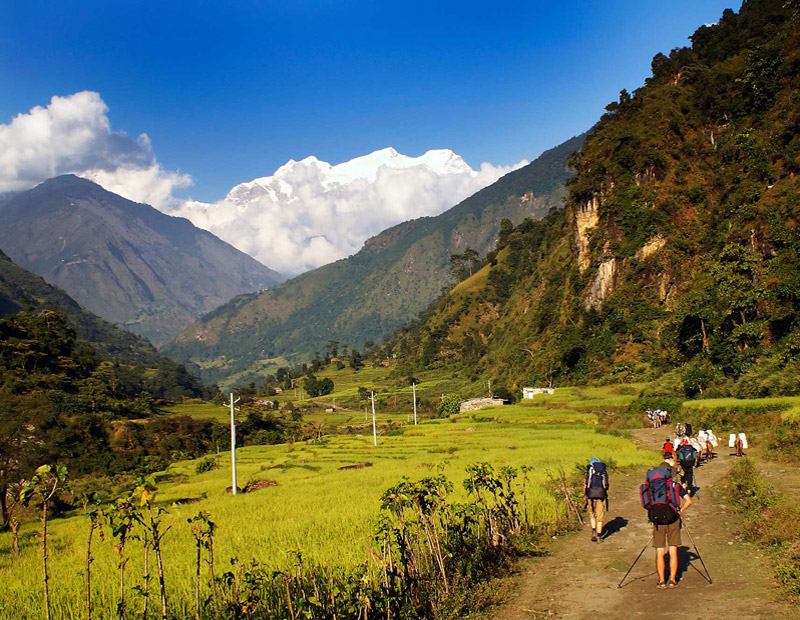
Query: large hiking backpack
[687, 456]
[688, 430]
[596, 481]
[660, 495]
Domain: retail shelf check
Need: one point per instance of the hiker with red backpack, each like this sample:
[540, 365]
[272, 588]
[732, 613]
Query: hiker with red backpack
[665, 501]
[595, 492]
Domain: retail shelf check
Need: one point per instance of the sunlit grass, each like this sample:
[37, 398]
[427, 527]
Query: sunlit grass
[327, 513]
[780, 402]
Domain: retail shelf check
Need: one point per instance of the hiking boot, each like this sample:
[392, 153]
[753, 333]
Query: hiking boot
[600, 538]
[594, 537]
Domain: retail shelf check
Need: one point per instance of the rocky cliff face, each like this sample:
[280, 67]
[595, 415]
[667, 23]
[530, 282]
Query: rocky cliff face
[586, 218]
[126, 262]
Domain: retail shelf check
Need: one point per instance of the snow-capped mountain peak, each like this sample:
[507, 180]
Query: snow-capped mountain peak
[309, 212]
[364, 168]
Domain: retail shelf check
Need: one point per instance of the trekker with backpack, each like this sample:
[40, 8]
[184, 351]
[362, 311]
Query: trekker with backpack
[665, 501]
[687, 459]
[595, 492]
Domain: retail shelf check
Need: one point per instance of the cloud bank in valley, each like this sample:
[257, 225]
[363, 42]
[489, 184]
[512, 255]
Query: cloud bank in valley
[307, 214]
[73, 135]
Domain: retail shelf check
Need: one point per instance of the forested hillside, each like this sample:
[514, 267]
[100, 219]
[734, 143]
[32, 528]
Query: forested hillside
[677, 255]
[367, 296]
[22, 290]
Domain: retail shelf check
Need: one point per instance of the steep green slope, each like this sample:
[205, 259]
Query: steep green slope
[21, 290]
[127, 262]
[368, 295]
[678, 252]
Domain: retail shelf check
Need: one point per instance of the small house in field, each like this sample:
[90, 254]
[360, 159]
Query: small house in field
[530, 392]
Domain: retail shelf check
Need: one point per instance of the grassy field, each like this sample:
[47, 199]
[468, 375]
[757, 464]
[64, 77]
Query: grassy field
[740, 411]
[326, 513]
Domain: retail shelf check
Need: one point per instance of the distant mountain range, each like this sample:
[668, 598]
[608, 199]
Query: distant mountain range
[129, 263]
[366, 296]
[22, 290]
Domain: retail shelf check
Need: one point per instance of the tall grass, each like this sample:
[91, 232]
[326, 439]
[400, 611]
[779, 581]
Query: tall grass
[326, 513]
[770, 520]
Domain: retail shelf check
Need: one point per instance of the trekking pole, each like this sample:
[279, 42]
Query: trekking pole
[697, 551]
[638, 557]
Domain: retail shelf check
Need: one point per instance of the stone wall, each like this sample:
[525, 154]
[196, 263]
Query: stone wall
[480, 403]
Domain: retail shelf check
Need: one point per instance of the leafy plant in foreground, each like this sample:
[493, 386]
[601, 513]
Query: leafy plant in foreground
[44, 484]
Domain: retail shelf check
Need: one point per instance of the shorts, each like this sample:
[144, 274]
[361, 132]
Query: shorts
[664, 533]
[597, 508]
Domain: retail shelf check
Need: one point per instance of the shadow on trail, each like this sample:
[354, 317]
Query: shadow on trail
[614, 526]
[686, 559]
[628, 582]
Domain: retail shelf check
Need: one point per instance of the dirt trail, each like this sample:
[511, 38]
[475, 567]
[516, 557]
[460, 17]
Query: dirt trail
[578, 579]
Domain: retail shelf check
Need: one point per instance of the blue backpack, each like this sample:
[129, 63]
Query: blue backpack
[687, 456]
[596, 481]
[661, 496]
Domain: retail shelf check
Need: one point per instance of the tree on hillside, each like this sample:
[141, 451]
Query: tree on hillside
[506, 228]
[464, 265]
[356, 361]
[317, 387]
[21, 448]
[332, 349]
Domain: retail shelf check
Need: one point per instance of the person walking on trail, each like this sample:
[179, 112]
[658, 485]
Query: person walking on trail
[595, 492]
[668, 451]
[687, 459]
[665, 501]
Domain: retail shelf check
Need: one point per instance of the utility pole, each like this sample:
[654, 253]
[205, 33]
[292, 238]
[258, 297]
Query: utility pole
[374, 428]
[414, 390]
[233, 443]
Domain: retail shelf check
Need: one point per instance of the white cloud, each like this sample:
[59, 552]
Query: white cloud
[307, 214]
[73, 135]
[310, 213]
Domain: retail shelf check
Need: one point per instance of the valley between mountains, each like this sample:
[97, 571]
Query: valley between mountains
[402, 433]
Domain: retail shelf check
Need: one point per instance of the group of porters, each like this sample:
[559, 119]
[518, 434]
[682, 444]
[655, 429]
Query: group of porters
[664, 497]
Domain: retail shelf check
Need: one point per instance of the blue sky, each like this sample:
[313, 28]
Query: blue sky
[228, 91]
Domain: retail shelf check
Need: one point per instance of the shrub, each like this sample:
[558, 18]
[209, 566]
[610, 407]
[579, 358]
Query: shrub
[450, 405]
[206, 464]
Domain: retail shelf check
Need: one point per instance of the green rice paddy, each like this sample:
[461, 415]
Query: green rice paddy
[314, 507]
